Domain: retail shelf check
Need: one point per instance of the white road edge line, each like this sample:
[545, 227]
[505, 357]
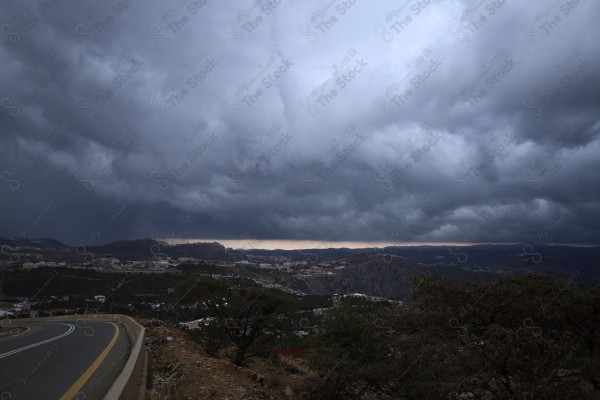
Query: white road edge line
[68, 332]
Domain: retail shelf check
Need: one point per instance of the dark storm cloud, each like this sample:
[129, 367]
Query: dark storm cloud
[455, 121]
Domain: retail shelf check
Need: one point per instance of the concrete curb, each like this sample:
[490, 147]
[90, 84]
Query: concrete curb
[144, 380]
[10, 331]
[131, 382]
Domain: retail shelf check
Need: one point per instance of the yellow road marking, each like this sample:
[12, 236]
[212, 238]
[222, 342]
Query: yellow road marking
[18, 334]
[90, 371]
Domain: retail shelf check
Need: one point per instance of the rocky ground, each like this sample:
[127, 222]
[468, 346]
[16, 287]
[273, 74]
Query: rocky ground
[180, 369]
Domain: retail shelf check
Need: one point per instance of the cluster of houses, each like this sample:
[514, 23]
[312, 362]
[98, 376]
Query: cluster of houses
[108, 264]
[25, 308]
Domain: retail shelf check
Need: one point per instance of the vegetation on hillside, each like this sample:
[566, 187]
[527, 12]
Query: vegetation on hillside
[526, 337]
[519, 337]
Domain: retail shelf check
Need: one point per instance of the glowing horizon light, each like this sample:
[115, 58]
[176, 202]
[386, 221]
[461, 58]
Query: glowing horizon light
[281, 244]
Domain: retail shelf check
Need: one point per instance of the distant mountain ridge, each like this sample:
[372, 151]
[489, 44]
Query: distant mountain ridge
[43, 243]
[579, 262]
[124, 250]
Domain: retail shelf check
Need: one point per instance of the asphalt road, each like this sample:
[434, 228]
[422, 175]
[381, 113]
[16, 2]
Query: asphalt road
[70, 359]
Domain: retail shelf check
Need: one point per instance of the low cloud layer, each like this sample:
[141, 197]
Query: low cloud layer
[445, 121]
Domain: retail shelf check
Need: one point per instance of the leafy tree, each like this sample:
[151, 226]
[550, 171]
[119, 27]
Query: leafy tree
[248, 320]
[350, 354]
[528, 336]
[211, 337]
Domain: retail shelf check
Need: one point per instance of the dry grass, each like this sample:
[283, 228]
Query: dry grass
[180, 369]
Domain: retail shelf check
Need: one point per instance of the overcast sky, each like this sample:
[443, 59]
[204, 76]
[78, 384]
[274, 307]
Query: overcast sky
[387, 121]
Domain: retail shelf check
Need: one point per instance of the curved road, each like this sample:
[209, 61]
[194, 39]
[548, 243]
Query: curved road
[68, 359]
